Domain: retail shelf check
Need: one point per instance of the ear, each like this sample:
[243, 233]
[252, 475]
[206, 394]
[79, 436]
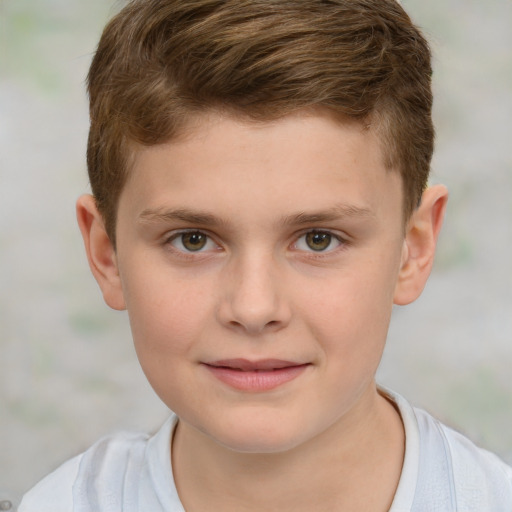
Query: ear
[100, 252]
[420, 245]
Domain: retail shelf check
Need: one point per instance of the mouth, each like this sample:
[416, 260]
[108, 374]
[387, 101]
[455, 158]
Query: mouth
[263, 365]
[255, 376]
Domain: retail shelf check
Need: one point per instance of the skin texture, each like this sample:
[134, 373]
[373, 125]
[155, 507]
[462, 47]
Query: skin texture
[255, 194]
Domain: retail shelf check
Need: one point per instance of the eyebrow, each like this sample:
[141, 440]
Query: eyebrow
[204, 218]
[338, 212]
[180, 214]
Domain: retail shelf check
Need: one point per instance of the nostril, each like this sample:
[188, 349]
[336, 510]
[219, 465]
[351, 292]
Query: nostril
[253, 307]
[256, 327]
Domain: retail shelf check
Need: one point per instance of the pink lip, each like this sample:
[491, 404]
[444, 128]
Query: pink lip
[255, 376]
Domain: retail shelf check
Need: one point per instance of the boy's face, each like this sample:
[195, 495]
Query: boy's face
[258, 264]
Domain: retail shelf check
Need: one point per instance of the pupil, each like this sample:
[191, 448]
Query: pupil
[194, 241]
[318, 241]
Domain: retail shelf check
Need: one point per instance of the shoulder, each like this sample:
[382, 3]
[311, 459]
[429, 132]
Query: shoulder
[443, 470]
[54, 492]
[479, 476]
[101, 468]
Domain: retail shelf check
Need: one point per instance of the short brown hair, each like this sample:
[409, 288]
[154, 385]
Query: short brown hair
[160, 62]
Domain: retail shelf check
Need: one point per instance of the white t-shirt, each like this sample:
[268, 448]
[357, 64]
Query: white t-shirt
[442, 472]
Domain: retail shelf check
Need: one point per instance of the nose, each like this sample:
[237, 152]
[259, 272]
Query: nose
[253, 297]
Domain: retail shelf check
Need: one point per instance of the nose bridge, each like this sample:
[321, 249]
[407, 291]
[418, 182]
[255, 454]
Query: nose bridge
[254, 297]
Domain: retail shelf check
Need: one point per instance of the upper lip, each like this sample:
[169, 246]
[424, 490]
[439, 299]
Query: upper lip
[248, 365]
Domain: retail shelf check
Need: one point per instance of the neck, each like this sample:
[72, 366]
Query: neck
[332, 471]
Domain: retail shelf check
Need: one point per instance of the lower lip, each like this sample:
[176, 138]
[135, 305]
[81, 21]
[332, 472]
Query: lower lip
[256, 381]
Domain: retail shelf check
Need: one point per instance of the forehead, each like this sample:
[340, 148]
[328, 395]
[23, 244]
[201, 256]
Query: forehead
[308, 160]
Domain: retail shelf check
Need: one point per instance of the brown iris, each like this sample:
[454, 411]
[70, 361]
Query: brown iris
[318, 240]
[194, 241]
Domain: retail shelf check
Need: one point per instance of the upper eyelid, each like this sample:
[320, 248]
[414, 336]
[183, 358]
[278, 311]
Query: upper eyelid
[171, 235]
[342, 237]
[342, 241]
[323, 231]
[187, 255]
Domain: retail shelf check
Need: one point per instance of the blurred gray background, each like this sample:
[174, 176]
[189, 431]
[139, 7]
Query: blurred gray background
[68, 373]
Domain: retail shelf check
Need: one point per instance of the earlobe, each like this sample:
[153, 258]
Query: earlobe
[420, 245]
[100, 252]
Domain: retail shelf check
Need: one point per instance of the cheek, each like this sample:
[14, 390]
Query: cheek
[166, 315]
[351, 319]
[167, 328]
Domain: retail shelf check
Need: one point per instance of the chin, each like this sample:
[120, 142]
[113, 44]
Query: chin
[255, 437]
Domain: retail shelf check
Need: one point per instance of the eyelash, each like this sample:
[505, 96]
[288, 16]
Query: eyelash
[342, 242]
[189, 253]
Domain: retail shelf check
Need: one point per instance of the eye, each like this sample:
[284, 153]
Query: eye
[318, 241]
[192, 241]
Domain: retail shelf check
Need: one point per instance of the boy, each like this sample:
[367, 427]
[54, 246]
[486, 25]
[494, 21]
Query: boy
[259, 203]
